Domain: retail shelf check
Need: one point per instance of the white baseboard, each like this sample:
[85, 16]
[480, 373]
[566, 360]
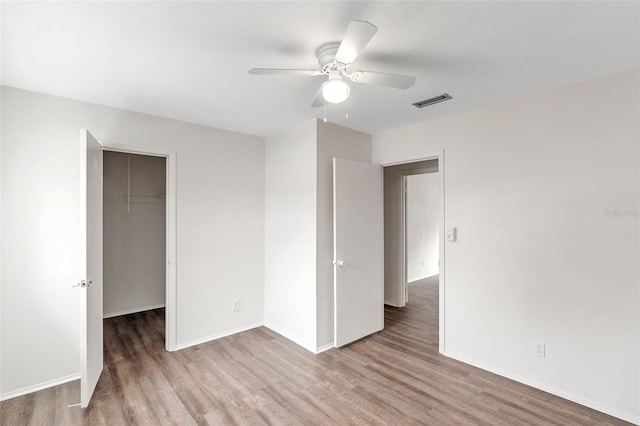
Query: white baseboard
[603, 408]
[39, 386]
[324, 348]
[217, 336]
[132, 311]
[293, 339]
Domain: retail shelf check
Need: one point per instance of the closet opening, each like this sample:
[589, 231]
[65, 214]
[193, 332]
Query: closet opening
[134, 239]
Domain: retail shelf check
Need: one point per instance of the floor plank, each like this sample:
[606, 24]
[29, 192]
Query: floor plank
[258, 377]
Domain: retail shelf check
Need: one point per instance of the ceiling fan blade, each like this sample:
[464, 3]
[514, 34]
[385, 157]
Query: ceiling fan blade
[318, 101]
[396, 81]
[310, 73]
[355, 39]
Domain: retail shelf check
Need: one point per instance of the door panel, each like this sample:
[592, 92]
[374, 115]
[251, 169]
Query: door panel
[90, 264]
[358, 250]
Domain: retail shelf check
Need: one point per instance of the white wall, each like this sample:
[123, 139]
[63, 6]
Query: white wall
[134, 234]
[290, 234]
[531, 185]
[299, 228]
[423, 214]
[332, 141]
[220, 228]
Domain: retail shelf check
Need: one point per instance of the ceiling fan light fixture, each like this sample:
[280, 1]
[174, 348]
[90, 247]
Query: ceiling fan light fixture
[335, 91]
[335, 59]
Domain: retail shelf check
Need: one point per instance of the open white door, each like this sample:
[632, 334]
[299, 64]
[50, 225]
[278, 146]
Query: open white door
[90, 264]
[358, 250]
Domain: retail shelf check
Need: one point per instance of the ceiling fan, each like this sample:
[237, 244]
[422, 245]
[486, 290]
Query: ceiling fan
[336, 58]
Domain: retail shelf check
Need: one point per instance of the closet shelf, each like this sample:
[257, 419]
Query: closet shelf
[144, 199]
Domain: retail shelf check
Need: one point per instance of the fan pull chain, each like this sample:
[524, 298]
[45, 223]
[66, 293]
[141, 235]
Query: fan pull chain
[325, 111]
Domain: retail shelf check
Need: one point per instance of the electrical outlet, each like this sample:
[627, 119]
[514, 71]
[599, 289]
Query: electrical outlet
[540, 349]
[451, 234]
[235, 305]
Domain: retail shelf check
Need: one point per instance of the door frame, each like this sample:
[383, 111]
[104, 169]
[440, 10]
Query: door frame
[171, 324]
[435, 155]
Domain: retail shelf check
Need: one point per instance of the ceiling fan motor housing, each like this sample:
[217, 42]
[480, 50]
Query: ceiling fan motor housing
[327, 56]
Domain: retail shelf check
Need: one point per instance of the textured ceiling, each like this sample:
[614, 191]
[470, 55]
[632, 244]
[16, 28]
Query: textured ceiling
[189, 60]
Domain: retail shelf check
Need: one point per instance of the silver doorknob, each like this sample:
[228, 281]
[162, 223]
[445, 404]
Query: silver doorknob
[80, 284]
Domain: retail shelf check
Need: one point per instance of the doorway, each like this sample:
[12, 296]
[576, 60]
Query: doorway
[134, 233]
[170, 205]
[91, 254]
[414, 232]
[421, 230]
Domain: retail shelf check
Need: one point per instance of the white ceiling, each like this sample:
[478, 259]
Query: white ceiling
[189, 60]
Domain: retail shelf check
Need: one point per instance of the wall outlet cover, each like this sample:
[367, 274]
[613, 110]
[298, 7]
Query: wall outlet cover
[452, 234]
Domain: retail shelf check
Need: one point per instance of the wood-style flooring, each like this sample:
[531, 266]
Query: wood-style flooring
[258, 377]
